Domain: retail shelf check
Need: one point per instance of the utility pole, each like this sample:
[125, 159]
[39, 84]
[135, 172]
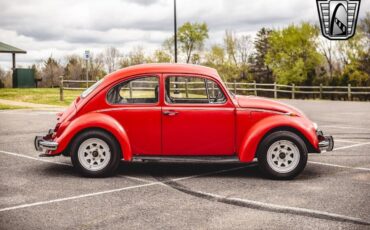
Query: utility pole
[175, 28]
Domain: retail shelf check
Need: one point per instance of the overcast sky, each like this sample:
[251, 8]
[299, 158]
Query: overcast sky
[65, 27]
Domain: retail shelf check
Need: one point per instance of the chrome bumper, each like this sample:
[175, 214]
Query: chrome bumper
[326, 142]
[41, 144]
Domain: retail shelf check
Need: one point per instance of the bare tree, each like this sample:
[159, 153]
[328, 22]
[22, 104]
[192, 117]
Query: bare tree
[328, 49]
[51, 71]
[97, 66]
[111, 58]
[74, 68]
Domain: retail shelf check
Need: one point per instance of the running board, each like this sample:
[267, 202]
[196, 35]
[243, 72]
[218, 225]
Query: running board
[189, 159]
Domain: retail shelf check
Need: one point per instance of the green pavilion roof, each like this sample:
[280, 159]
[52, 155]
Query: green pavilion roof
[5, 48]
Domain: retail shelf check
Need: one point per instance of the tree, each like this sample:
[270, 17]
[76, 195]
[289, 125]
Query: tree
[238, 50]
[293, 54]
[261, 71]
[356, 52]
[191, 37]
[111, 58]
[51, 72]
[74, 68]
[161, 56]
[96, 70]
[135, 57]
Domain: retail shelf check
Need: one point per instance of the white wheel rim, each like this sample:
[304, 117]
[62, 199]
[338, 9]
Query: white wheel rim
[283, 156]
[94, 154]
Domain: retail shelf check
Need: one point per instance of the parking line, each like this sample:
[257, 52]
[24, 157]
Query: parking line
[339, 166]
[115, 190]
[351, 146]
[347, 141]
[344, 127]
[33, 158]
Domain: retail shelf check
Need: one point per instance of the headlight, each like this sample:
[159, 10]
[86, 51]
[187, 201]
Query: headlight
[315, 125]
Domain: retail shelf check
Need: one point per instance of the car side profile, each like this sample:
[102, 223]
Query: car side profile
[182, 112]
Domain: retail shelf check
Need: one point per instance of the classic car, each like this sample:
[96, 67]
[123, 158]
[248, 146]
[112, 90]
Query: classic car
[179, 112]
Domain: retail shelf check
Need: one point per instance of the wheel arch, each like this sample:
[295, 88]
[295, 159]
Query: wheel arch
[254, 136]
[308, 144]
[94, 121]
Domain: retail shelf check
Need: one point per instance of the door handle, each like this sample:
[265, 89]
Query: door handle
[170, 112]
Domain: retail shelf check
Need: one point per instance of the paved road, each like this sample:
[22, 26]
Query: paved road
[332, 192]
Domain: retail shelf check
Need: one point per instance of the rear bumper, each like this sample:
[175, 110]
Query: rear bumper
[326, 142]
[44, 143]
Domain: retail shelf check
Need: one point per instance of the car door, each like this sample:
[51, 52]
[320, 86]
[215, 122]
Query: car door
[135, 105]
[198, 118]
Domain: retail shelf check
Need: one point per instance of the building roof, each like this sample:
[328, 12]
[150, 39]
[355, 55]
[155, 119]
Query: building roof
[5, 48]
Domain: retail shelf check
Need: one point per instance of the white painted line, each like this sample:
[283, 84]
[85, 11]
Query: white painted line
[347, 141]
[339, 166]
[344, 127]
[114, 190]
[137, 179]
[33, 158]
[351, 146]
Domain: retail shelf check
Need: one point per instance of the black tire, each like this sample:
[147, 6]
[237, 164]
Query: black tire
[268, 141]
[114, 148]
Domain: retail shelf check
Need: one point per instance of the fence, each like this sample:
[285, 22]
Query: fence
[273, 90]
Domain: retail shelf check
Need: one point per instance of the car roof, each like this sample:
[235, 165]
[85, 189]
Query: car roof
[161, 68]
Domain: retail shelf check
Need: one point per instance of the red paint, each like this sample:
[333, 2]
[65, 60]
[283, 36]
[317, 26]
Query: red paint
[234, 127]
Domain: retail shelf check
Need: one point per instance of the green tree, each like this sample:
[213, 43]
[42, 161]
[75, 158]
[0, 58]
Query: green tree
[191, 37]
[356, 53]
[261, 71]
[293, 54]
[161, 56]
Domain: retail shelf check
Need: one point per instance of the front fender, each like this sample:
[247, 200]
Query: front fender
[94, 120]
[255, 134]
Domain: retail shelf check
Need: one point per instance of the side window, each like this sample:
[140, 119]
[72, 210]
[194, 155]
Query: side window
[142, 90]
[193, 90]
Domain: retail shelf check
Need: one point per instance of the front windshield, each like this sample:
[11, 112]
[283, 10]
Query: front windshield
[91, 88]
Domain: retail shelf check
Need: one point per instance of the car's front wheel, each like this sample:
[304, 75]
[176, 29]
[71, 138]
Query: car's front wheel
[282, 155]
[95, 153]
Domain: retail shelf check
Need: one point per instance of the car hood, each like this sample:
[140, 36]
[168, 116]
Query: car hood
[254, 102]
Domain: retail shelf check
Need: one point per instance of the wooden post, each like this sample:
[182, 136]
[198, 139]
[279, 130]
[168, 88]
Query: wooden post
[293, 91]
[235, 86]
[61, 96]
[130, 88]
[13, 61]
[186, 88]
[255, 88]
[275, 90]
[320, 90]
[349, 93]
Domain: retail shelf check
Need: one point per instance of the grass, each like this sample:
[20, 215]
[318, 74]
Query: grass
[49, 96]
[6, 107]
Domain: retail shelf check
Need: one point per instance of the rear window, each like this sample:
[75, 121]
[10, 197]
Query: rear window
[91, 88]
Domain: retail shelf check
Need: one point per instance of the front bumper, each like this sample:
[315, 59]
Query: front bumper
[44, 143]
[326, 142]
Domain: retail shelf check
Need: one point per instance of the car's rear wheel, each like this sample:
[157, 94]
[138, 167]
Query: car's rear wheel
[95, 153]
[282, 155]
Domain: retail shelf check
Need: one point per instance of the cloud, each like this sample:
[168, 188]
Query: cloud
[61, 27]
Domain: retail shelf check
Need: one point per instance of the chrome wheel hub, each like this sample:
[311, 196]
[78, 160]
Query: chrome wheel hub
[94, 154]
[283, 156]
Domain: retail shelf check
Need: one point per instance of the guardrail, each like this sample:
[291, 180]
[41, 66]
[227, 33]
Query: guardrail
[258, 89]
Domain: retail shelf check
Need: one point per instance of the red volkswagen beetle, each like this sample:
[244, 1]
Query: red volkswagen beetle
[182, 112]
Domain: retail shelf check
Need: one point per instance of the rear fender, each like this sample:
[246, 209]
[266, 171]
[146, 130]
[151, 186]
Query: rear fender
[94, 120]
[249, 145]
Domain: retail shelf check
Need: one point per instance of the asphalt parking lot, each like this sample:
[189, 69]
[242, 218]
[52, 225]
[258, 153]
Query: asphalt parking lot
[332, 192]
